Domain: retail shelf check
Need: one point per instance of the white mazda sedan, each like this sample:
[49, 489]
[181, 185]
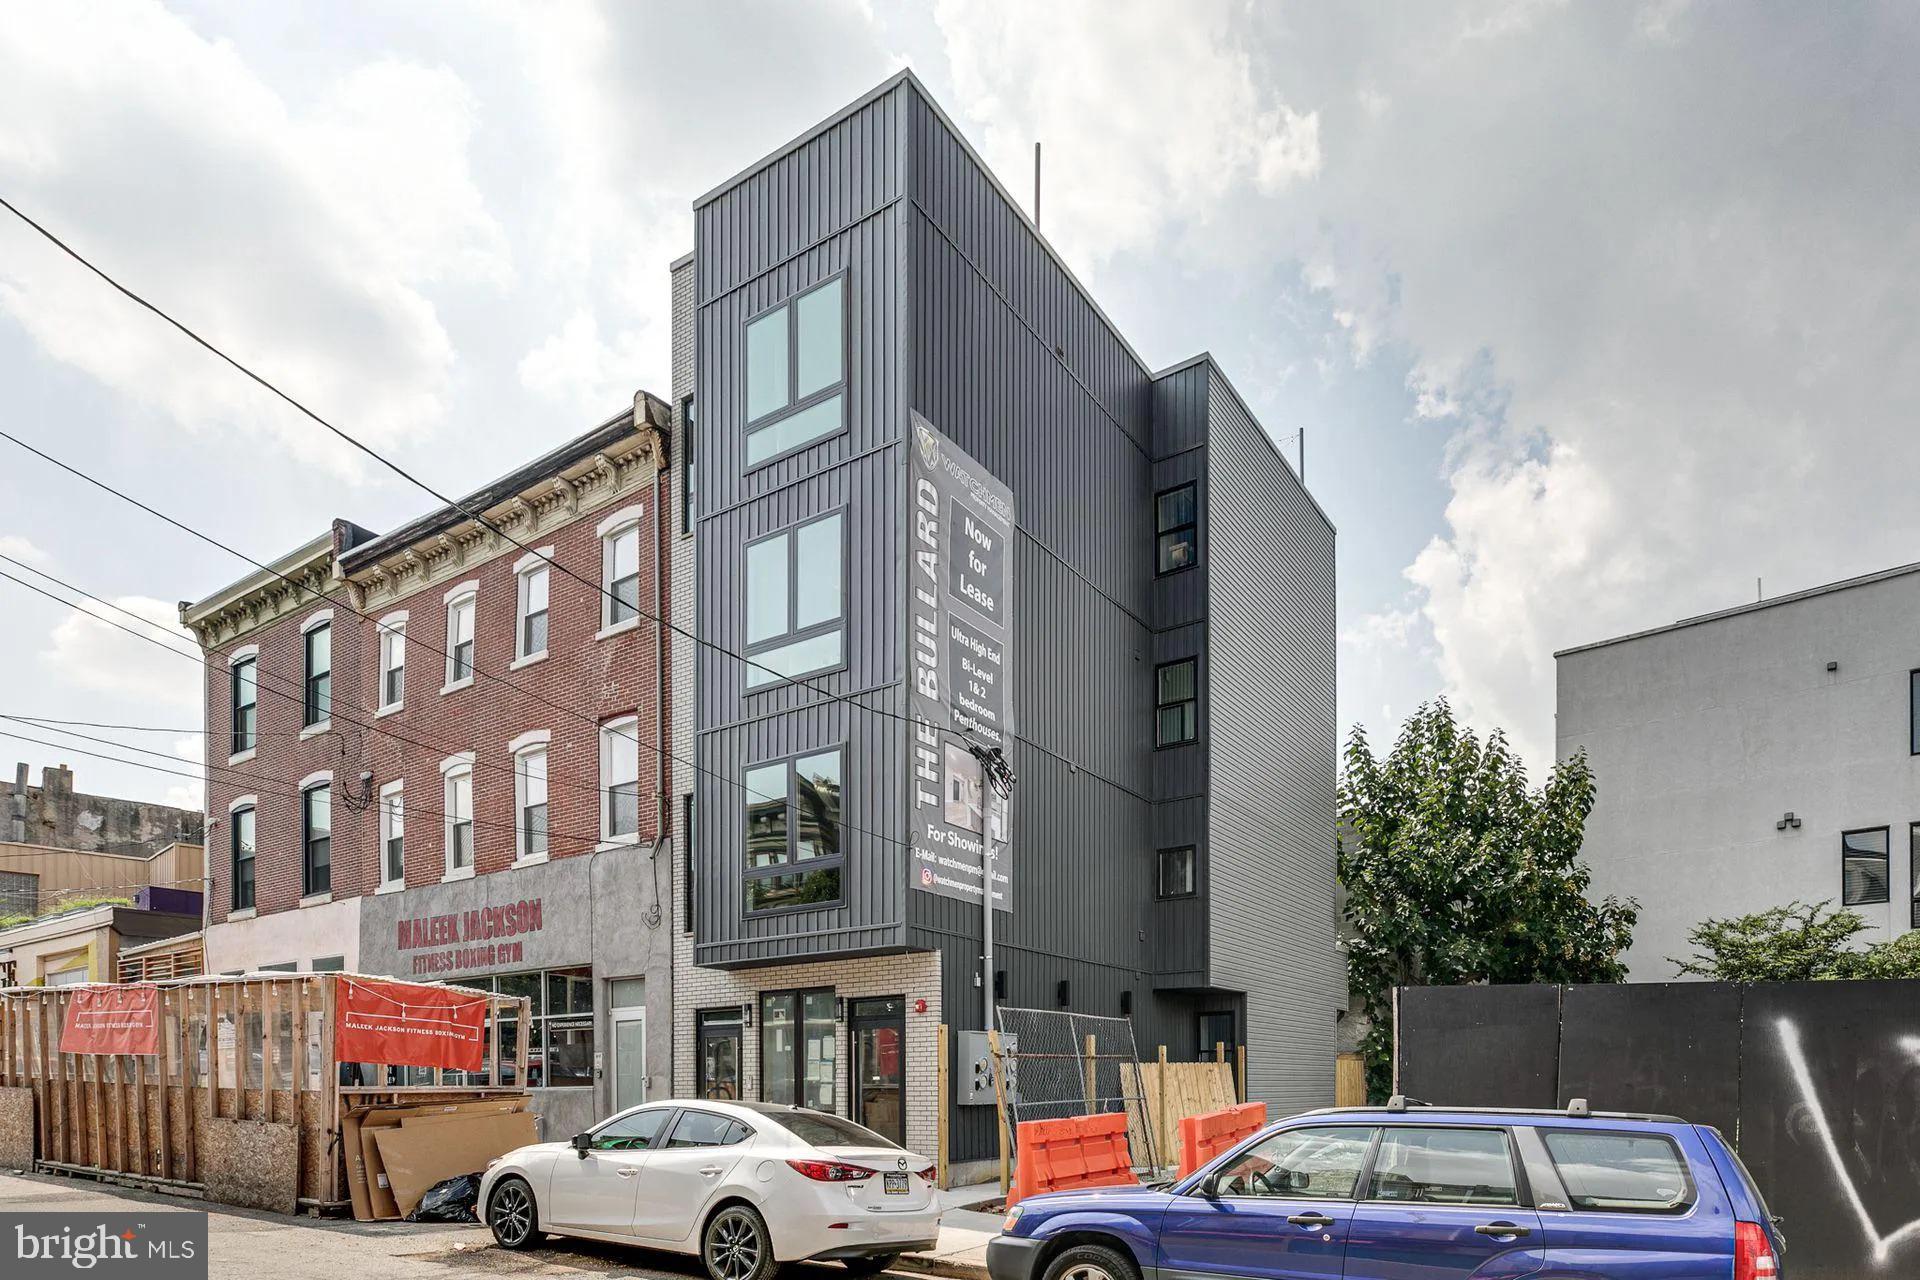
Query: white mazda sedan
[745, 1185]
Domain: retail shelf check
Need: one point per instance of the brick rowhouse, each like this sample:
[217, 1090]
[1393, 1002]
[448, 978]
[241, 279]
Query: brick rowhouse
[583, 927]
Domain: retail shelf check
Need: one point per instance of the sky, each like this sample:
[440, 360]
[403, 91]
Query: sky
[1592, 316]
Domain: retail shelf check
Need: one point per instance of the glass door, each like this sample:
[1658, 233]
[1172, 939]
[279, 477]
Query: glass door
[719, 1033]
[879, 1060]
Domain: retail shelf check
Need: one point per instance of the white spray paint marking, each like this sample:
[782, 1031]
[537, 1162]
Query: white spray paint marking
[1911, 1044]
[1797, 1060]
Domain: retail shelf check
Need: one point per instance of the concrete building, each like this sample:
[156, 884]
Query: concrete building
[55, 816]
[1755, 756]
[943, 504]
[37, 879]
[85, 944]
[446, 758]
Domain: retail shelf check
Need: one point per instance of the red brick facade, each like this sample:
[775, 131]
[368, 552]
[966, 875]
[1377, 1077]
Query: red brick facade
[585, 681]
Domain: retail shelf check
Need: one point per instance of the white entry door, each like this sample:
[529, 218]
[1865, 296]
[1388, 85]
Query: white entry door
[629, 1058]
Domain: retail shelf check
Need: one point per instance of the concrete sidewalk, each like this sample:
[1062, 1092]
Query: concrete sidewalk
[964, 1232]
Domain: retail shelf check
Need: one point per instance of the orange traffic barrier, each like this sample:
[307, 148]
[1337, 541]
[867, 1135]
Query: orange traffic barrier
[1203, 1137]
[1070, 1154]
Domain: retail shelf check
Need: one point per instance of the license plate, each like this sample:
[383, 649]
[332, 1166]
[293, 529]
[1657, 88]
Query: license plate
[894, 1184]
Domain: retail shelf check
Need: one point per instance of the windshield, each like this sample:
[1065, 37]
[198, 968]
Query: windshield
[818, 1129]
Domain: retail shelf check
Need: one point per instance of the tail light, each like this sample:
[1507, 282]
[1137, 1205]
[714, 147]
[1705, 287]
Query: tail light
[830, 1170]
[1753, 1253]
[925, 1171]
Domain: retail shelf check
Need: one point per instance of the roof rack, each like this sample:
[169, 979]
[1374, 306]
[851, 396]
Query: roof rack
[1577, 1109]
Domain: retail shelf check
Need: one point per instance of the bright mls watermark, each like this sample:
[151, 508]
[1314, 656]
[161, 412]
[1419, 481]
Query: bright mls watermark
[151, 1246]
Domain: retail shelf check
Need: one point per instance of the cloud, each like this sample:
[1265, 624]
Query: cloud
[22, 549]
[299, 233]
[86, 652]
[189, 795]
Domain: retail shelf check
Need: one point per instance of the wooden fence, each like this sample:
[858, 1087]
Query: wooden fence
[255, 1048]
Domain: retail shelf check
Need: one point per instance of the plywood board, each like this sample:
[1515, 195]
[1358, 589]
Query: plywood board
[16, 1128]
[416, 1159]
[252, 1164]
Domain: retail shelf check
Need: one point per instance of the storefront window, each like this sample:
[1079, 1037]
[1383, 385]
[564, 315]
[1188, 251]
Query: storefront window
[798, 1042]
[560, 1037]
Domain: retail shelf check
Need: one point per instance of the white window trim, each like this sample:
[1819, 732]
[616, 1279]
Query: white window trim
[315, 779]
[240, 655]
[312, 730]
[394, 623]
[244, 913]
[453, 764]
[616, 523]
[539, 558]
[317, 618]
[471, 587]
[317, 899]
[395, 788]
[243, 802]
[607, 729]
[532, 739]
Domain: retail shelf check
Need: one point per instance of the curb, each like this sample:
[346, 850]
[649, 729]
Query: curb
[923, 1264]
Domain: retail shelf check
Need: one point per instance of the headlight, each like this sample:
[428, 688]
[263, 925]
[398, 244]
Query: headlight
[1013, 1216]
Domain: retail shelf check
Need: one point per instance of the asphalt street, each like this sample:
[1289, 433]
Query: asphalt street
[245, 1245]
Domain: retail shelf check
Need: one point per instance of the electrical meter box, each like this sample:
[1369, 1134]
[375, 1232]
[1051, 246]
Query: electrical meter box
[973, 1079]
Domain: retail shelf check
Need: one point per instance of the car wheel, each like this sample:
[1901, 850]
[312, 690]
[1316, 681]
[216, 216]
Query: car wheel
[872, 1266]
[736, 1246]
[1092, 1262]
[512, 1215]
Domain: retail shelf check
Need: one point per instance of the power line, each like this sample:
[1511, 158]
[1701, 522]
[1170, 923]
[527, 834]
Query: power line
[422, 485]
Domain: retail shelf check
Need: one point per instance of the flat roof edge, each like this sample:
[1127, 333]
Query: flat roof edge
[1734, 611]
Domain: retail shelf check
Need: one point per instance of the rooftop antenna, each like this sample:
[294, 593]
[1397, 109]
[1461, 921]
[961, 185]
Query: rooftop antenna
[1758, 594]
[1036, 186]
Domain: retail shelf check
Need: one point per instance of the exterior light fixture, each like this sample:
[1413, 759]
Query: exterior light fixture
[1788, 820]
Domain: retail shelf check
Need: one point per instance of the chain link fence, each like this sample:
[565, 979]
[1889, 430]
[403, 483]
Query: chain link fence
[1062, 1064]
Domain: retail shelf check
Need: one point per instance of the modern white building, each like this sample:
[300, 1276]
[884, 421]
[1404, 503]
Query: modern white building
[1753, 757]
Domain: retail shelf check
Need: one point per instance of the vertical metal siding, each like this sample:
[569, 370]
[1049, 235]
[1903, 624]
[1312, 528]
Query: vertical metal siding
[1271, 738]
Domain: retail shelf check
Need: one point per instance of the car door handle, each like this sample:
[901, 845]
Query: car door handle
[628, 1172]
[712, 1171]
[1513, 1229]
[1310, 1220]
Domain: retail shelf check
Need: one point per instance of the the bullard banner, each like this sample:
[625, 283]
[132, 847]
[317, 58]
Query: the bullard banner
[960, 633]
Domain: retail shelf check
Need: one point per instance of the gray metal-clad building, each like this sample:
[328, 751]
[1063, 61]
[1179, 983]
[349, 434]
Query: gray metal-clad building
[867, 301]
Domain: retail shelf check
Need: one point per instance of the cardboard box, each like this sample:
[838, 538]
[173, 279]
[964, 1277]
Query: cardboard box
[368, 1185]
[415, 1158]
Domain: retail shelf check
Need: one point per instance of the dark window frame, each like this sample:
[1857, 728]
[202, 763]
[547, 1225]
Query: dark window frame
[688, 473]
[393, 675]
[1886, 857]
[524, 617]
[251, 859]
[460, 667]
[311, 867]
[1159, 706]
[1160, 872]
[1913, 712]
[1913, 859]
[1522, 1189]
[794, 865]
[1372, 1128]
[250, 666]
[318, 686]
[387, 837]
[1685, 1207]
[686, 859]
[799, 1081]
[795, 634]
[796, 404]
[721, 1018]
[1191, 528]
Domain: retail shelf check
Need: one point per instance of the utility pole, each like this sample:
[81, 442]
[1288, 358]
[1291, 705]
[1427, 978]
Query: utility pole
[996, 777]
[1036, 186]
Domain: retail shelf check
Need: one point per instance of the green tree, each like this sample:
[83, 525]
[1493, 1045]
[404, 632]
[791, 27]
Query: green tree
[1799, 942]
[1456, 871]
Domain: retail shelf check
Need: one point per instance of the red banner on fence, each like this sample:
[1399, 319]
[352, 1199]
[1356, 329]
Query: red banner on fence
[117, 1019]
[410, 1025]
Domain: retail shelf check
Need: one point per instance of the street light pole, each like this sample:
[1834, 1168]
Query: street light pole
[999, 778]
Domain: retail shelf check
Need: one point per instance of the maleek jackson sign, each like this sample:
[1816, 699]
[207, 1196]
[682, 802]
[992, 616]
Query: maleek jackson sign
[959, 628]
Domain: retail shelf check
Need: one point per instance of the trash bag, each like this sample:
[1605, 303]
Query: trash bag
[451, 1200]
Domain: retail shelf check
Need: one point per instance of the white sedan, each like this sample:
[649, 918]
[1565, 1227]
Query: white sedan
[745, 1185]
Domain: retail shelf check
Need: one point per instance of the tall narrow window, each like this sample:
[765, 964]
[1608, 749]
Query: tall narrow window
[393, 661]
[1176, 703]
[687, 474]
[620, 779]
[458, 772]
[798, 1042]
[686, 857]
[620, 568]
[1176, 529]
[1863, 867]
[1913, 712]
[1913, 867]
[796, 373]
[460, 610]
[243, 827]
[319, 701]
[246, 705]
[1176, 872]
[530, 785]
[793, 832]
[530, 635]
[316, 826]
[393, 836]
[796, 602]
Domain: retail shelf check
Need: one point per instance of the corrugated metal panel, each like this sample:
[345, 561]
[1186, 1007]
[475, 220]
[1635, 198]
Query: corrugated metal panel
[1271, 737]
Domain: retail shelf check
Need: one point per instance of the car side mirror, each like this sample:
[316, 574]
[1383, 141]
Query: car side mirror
[582, 1143]
[1208, 1188]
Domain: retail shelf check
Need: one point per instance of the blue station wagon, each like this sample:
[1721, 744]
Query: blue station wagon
[1413, 1192]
